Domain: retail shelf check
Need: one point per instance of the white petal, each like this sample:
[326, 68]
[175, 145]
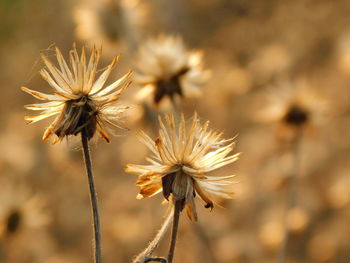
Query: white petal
[43, 106]
[103, 77]
[113, 86]
[41, 116]
[43, 96]
[46, 76]
[59, 77]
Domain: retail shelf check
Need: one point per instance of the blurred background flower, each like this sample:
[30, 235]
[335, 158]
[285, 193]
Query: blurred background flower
[118, 24]
[165, 69]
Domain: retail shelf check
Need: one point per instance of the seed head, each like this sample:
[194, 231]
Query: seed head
[294, 105]
[110, 22]
[181, 164]
[79, 99]
[165, 68]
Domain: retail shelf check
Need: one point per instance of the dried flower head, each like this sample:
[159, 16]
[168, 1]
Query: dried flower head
[110, 21]
[181, 164]
[295, 105]
[20, 209]
[165, 68]
[80, 100]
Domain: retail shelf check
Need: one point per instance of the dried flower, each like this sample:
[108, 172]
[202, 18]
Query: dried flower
[79, 100]
[294, 105]
[110, 21]
[165, 68]
[181, 163]
[20, 209]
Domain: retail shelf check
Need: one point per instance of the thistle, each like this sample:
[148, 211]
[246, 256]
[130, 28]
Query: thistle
[82, 105]
[180, 167]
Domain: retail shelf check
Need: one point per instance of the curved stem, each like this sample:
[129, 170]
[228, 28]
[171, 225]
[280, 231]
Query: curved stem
[93, 195]
[144, 256]
[162, 260]
[177, 210]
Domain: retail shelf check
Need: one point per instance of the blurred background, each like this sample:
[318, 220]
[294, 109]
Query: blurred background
[266, 58]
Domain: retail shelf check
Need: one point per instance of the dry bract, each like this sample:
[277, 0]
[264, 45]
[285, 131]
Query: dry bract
[79, 99]
[181, 162]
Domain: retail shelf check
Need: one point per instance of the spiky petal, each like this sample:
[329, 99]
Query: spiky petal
[79, 99]
[182, 161]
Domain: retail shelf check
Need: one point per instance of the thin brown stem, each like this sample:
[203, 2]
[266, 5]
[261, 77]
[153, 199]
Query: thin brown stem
[292, 194]
[93, 196]
[144, 256]
[177, 211]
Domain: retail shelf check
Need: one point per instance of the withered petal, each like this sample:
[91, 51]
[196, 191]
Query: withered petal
[191, 210]
[209, 203]
[150, 190]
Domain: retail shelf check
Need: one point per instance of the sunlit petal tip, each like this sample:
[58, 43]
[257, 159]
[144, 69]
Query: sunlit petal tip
[129, 74]
[99, 50]
[27, 121]
[27, 90]
[238, 155]
[103, 133]
[139, 197]
[32, 118]
[114, 61]
[127, 85]
[58, 51]
[126, 168]
[56, 140]
[47, 134]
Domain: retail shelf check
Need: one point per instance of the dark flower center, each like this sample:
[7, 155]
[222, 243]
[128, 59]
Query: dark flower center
[169, 87]
[77, 115]
[296, 116]
[13, 222]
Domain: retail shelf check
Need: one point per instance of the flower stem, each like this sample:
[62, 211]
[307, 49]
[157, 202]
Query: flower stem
[144, 256]
[177, 210]
[93, 195]
[292, 193]
[162, 260]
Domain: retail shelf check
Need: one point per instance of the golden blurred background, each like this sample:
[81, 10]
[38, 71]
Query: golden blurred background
[264, 57]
